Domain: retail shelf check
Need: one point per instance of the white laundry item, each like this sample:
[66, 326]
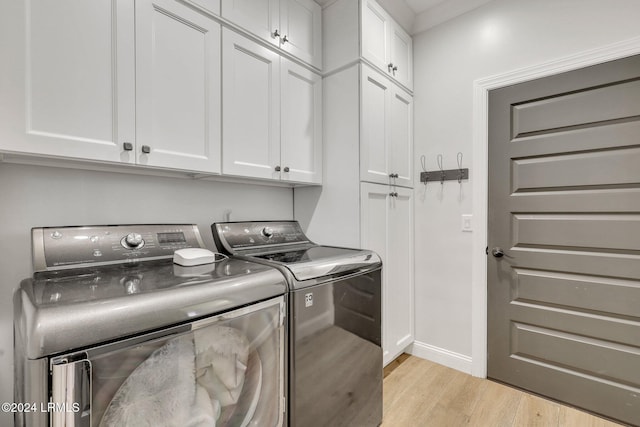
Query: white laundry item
[221, 362]
[205, 412]
[159, 392]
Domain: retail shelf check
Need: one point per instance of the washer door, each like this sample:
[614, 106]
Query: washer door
[226, 370]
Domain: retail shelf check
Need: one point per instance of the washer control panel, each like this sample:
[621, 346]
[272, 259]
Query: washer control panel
[57, 248]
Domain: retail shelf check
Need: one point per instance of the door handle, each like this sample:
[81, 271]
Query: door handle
[497, 252]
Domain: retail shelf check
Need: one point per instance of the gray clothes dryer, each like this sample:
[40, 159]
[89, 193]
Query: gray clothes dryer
[335, 353]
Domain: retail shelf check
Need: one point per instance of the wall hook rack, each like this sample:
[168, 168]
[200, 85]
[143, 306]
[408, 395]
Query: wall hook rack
[445, 175]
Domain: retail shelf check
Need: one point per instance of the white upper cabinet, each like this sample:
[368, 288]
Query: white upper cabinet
[386, 129]
[301, 22]
[177, 87]
[401, 56]
[293, 25]
[301, 118]
[211, 6]
[376, 32]
[260, 17]
[71, 70]
[144, 82]
[272, 121]
[385, 44]
[251, 105]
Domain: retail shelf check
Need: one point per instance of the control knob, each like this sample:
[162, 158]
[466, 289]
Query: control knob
[133, 241]
[267, 232]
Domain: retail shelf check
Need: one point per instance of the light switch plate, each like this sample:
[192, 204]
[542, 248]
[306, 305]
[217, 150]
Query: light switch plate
[466, 222]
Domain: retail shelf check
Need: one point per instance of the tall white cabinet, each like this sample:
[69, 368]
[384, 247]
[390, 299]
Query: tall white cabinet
[387, 228]
[368, 121]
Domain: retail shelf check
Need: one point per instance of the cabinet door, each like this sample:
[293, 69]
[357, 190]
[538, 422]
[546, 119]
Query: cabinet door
[399, 312]
[374, 221]
[260, 17]
[301, 124]
[401, 142]
[251, 105]
[301, 22]
[376, 24]
[178, 87]
[401, 56]
[67, 79]
[374, 126]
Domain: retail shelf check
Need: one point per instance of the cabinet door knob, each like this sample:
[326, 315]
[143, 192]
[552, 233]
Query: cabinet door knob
[277, 168]
[276, 33]
[390, 66]
[286, 168]
[284, 39]
[127, 146]
[146, 149]
[395, 68]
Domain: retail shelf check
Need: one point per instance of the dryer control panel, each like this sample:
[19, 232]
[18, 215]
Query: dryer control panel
[57, 248]
[232, 237]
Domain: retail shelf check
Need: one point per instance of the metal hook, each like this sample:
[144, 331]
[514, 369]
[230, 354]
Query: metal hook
[442, 173]
[423, 163]
[459, 158]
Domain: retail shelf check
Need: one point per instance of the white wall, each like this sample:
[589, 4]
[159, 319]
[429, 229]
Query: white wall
[32, 196]
[501, 36]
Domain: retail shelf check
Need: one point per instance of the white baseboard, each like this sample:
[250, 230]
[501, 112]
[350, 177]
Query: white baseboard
[450, 359]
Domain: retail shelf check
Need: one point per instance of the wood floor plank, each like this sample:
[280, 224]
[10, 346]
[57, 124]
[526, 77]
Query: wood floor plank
[402, 379]
[534, 411]
[570, 417]
[462, 393]
[415, 403]
[497, 406]
[418, 392]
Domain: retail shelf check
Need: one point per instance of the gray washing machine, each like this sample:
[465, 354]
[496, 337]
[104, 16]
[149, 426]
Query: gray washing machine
[335, 353]
[110, 332]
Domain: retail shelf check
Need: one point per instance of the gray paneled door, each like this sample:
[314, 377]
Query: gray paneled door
[564, 207]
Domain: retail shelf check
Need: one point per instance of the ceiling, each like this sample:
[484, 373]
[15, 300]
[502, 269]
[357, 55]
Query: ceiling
[419, 6]
[420, 15]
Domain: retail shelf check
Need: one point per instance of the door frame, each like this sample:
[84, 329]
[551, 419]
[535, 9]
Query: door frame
[480, 171]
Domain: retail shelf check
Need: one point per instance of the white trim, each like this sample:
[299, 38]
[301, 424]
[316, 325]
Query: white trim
[442, 356]
[479, 168]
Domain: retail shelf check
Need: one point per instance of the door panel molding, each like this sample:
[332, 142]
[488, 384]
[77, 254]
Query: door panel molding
[479, 167]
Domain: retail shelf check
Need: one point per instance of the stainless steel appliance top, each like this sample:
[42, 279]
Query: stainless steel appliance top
[76, 301]
[284, 245]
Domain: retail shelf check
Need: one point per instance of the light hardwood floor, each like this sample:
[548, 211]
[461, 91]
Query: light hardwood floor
[421, 393]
